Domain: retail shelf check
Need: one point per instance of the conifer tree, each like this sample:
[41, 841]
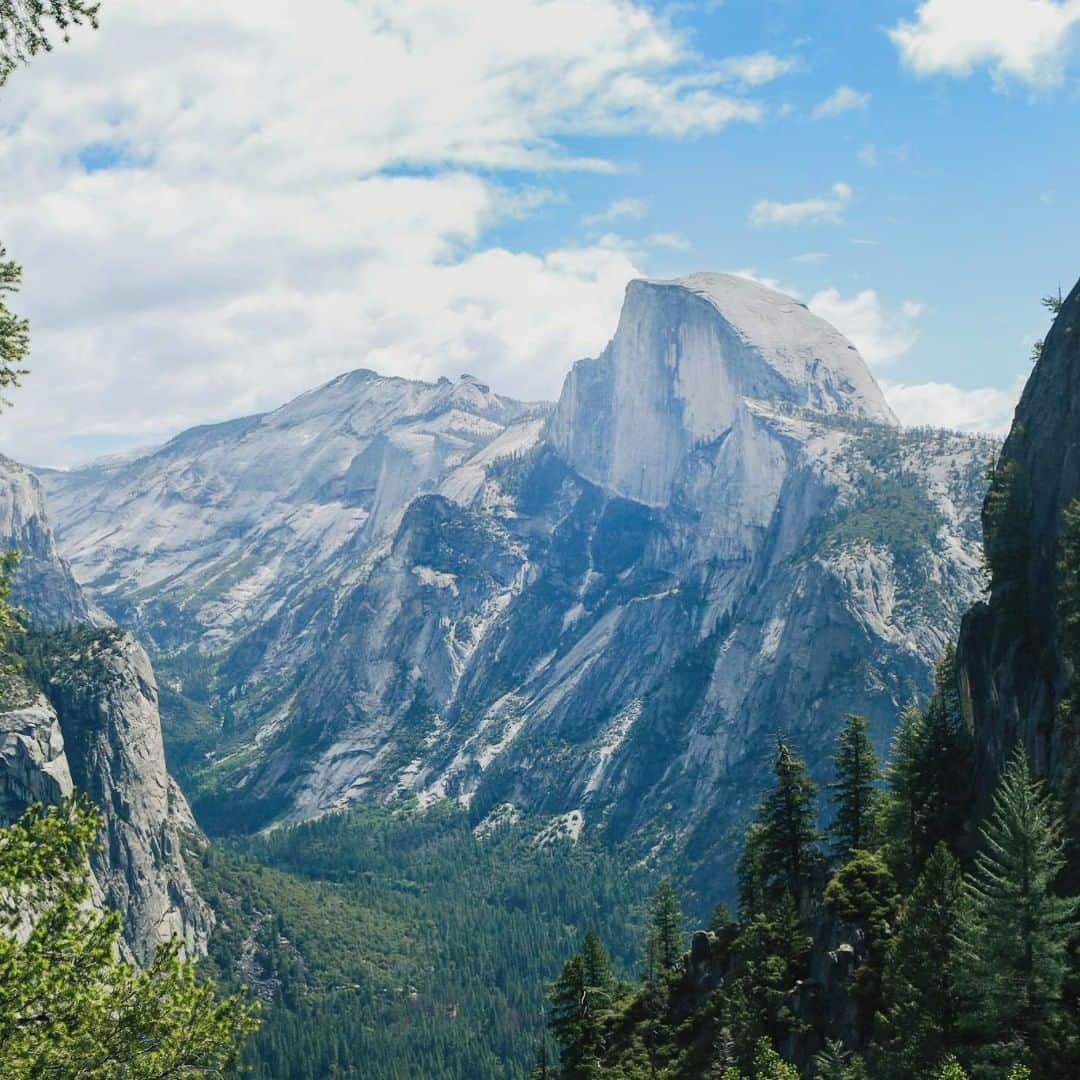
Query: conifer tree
[1018, 928]
[925, 976]
[580, 999]
[665, 942]
[787, 817]
[854, 790]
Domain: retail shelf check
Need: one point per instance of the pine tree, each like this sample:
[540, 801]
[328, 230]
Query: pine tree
[854, 790]
[788, 835]
[665, 942]
[580, 1000]
[925, 976]
[1019, 928]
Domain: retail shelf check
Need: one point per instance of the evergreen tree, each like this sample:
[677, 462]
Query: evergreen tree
[854, 789]
[580, 999]
[925, 976]
[1018, 928]
[69, 1007]
[665, 942]
[788, 838]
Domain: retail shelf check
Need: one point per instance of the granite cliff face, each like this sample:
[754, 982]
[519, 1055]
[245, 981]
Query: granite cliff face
[602, 616]
[86, 719]
[1013, 664]
[43, 583]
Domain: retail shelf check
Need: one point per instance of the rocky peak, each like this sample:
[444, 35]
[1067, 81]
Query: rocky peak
[687, 360]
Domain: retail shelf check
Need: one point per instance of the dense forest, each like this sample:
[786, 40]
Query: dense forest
[907, 941]
[393, 942]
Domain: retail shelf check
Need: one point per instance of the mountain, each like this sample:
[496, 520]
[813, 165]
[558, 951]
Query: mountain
[200, 539]
[81, 714]
[601, 614]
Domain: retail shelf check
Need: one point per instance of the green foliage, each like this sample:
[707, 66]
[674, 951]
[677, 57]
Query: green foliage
[925, 975]
[863, 890]
[393, 943]
[786, 843]
[14, 331]
[27, 25]
[769, 1065]
[928, 793]
[1018, 929]
[854, 790]
[1005, 524]
[665, 941]
[68, 1006]
[952, 1070]
[10, 624]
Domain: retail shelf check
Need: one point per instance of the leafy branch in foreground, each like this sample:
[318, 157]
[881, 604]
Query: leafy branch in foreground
[68, 1005]
[26, 27]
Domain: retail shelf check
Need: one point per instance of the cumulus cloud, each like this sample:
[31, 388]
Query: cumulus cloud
[826, 209]
[882, 336]
[986, 410]
[1026, 40]
[220, 205]
[843, 99]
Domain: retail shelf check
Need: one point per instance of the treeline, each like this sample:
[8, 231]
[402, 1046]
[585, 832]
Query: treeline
[903, 943]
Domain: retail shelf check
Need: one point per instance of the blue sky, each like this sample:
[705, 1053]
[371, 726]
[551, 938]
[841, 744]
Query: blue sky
[219, 206]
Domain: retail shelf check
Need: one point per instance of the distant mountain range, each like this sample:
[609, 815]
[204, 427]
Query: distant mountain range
[599, 611]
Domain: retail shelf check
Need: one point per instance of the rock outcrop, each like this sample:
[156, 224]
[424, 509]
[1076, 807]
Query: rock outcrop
[1012, 661]
[82, 715]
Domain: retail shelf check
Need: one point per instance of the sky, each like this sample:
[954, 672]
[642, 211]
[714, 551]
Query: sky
[221, 205]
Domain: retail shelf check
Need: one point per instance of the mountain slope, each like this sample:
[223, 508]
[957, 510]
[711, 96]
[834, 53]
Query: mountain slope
[201, 538]
[721, 532]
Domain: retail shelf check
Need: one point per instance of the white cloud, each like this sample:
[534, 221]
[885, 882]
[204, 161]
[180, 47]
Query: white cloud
[756, 69]
[827, 209]
[1026, 40]
[987, 409]
[811, 257]
[882, 336]
[843, 99]
[621, 208]
[670, 240]
[292, 197]
[867, 154]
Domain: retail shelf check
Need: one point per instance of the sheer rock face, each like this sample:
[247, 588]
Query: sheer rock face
[95, 730]
[604, 616]
[43, 583]
[688, 359]
[1012, 668]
